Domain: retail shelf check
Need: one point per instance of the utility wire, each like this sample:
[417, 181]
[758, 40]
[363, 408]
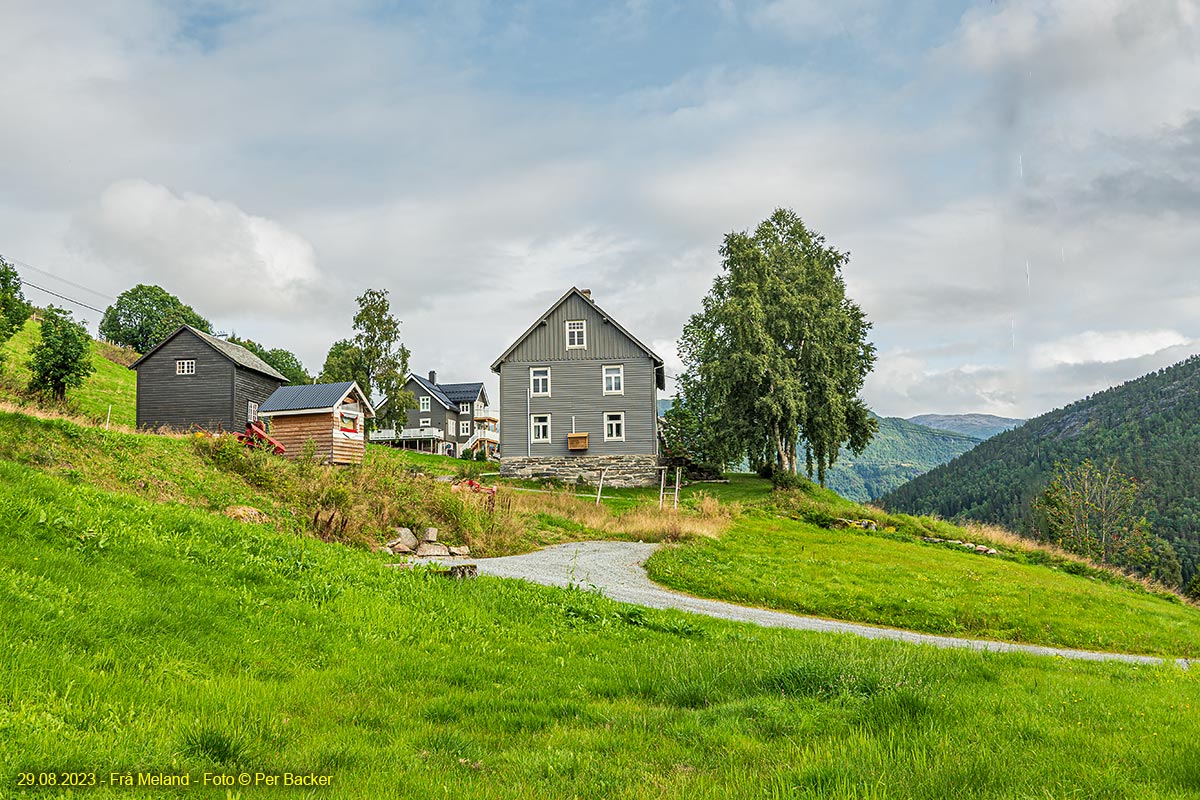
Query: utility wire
[63, 296]
[20, 263]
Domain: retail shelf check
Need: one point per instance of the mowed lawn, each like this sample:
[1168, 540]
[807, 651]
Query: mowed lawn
[140, 637]
[850, 575]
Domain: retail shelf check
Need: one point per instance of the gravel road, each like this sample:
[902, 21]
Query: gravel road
[615, 569]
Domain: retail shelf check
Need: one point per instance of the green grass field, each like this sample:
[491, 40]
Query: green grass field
[149, 638]
[110, 385]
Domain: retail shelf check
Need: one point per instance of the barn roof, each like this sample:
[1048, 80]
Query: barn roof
[234, 352]
[461, 392]
[312, 397]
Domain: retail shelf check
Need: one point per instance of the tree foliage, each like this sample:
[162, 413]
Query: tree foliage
[14, 308]
[63, 357]
[285, 361]
[375, 357]
[1094, 511]
[145, 315]
[778, 354]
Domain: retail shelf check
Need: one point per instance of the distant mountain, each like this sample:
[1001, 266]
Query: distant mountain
[899, 451]
[980, 426]
[1151, 426]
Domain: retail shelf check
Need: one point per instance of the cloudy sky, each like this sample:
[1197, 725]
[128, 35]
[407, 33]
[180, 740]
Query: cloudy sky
[1018, 182]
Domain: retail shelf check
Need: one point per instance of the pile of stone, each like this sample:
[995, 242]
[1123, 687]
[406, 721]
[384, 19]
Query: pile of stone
[406, 543]
[983, 549]
[861, 524]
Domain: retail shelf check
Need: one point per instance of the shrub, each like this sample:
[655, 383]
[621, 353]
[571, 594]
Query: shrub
[781, 479]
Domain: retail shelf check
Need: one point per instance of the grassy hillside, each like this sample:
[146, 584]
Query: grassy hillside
[899, 451]
[111, 384]
[140, 637]
[1151, 426]
[978, 426]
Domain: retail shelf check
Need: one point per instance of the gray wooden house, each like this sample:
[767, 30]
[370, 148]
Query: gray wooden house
[193, 379]
[578, 396]
[450, 419]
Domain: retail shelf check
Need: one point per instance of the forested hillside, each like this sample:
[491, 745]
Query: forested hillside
[980, 426]
[899, 451]
[1151, 426]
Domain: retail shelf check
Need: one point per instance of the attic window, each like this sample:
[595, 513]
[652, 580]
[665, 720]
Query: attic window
[186, 366]
[576, 334]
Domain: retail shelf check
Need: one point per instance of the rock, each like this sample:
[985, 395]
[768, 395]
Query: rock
[870, 526]
[460, 572]
[932, 539]
[404, 538]
[445, 479]
[246, 514]
[430, 535]
[981, 548]
[968, 544]
[400, 548]
[991, 551]
[460, 551]
[955, 541]
[430, 549]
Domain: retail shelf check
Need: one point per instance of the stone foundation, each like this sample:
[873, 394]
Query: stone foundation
[623, 471]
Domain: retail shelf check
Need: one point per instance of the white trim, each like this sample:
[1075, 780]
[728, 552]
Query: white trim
[582, 329]
[464, 408]
[296, 412]
[425, 422]
[185, 366]
[464, 427]
[532, 391]
[533, 424]
[424, 403]
[251, 411]
[620, 421]
[620, 376]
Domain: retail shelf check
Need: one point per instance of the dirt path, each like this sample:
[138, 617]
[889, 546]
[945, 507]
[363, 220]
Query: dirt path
[615, 569]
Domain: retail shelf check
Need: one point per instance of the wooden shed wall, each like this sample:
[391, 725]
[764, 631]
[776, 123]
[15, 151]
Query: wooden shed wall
[294, 431]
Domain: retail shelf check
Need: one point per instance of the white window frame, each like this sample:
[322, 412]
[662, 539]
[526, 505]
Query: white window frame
[533, 426]
[464, 427]
[251, 411]
[425, 422]
[424, 402]
[185, 366]
[620, 420]
[619, 375]
[582, 330]
[533, 392]
[464, 408]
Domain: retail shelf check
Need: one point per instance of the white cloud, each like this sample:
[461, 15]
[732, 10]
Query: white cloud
[215, 256]
[1092, 347]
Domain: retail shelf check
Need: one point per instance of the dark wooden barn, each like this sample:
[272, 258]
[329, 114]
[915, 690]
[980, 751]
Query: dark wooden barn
[330, 415]
[192, 379]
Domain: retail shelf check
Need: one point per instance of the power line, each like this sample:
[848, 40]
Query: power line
[63, 296]
[20, 263]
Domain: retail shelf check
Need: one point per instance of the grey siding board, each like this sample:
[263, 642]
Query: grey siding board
[437, 413]
[180, 401]
[250, 387]
[576, 388]
[549, 341]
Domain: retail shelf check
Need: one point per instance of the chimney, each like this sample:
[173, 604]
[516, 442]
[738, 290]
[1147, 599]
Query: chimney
[433, 377]
[586, 293]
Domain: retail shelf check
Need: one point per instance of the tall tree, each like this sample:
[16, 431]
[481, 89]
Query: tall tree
[780, 350]
[145, 315]
[344, 362]
[384, 356]
[14, 309]
[1095, 511]
[63, 357]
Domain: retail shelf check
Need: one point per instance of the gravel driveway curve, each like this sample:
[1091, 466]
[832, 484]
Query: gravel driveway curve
[615, 569]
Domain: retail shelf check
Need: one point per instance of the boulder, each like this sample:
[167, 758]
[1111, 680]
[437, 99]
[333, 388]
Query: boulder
[991, 551]
[463, 551]
[460, 572]
[405, 540]
[982, 548]
[430, 535]
[246, 514]
[432, 549]
[400, 549]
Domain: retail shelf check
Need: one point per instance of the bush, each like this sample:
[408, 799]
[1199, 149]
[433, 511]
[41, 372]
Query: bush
[788, 480]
